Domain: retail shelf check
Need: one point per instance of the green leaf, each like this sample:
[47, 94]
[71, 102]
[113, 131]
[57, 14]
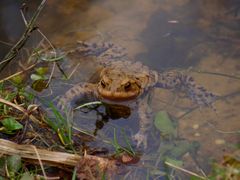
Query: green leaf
[11, 124]
[52, 58]
[36, 77]
[41, 70]
[14, 164]
[39, 85]
[164, 124]
[29, 96]
[27, 176]
[17, 79]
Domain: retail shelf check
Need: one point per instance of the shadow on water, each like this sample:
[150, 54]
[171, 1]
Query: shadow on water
[171, 35]
[169, 43]
[11, 24]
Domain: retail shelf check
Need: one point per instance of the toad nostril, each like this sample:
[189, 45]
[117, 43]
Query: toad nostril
[127, 86]
[103, 84]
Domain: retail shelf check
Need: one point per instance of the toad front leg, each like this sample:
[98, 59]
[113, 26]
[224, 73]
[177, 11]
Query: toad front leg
[145, 122]
[79, 91]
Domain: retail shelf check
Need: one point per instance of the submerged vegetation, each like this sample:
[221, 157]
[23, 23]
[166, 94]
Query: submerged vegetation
[38, 141]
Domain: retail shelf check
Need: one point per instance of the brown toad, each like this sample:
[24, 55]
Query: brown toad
[122, 80]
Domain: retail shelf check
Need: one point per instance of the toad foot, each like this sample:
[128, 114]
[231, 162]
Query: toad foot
[140, 138]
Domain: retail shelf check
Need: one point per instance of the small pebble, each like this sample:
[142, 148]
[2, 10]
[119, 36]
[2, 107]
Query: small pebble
[197, 134]
[195, 126]
[220, 141]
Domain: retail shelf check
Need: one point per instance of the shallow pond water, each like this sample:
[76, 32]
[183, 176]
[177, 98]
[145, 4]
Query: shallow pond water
[201, 37]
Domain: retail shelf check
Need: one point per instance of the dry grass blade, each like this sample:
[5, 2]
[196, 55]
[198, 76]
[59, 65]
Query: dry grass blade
[40, 162]
[14, 106]
[20, 108]
[185, 170]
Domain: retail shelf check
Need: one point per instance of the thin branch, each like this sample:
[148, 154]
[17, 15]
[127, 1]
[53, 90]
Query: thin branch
[51, 45]
[21, 42]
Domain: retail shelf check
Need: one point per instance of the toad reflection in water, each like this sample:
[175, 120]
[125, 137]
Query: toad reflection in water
[122, 81]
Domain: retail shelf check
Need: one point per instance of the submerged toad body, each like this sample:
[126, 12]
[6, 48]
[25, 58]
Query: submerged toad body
[122, 80]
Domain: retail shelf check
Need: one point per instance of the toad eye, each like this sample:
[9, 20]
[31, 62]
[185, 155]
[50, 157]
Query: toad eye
[103, 84]
[127, 85]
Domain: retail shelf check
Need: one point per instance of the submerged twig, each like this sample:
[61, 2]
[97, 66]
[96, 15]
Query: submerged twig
[222, 131]
[73, 71]
[216, 74]
[23, 39]
[188, 112]
[217, 99]
[62, 71]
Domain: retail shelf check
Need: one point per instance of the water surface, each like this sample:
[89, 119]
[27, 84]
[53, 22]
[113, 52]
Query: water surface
[201, 37]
